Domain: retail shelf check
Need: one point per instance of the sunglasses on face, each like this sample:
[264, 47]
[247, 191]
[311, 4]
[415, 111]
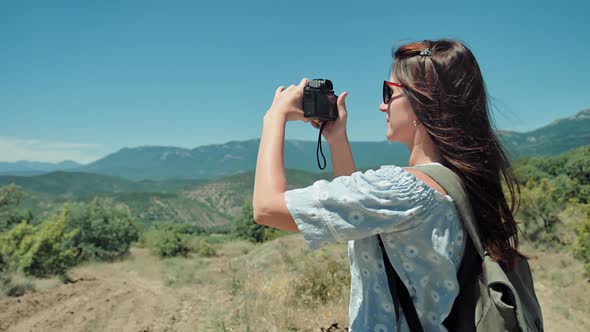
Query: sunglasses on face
[387, 93]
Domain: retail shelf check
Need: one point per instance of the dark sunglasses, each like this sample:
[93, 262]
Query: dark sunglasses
[387, 93]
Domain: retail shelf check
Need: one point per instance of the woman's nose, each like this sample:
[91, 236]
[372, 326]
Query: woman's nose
[383, 108]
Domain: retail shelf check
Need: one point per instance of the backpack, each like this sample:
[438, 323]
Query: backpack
[490, 299]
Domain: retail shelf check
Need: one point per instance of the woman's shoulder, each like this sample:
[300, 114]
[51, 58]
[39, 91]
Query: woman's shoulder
[402, 178]
[385, 177]
[384, 172]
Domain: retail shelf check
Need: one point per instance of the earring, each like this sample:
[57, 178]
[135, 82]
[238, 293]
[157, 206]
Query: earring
[415, 123]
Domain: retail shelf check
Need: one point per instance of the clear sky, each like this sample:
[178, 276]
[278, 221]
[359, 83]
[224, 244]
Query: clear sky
[82, 79]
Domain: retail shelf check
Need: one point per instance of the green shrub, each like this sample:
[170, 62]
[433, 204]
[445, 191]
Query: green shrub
[272, 233]
[582, 245]
[218, 238]
[40, 250]
[245, 227]
[166, 242]
[206, 250]
[539, 211]
[10, 197]
[320, 283]
[105, 232]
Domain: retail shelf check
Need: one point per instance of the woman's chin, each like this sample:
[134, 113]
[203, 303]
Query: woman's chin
[390, 135]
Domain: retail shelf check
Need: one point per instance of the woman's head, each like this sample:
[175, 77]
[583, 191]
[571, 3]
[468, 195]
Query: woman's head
[443, 90]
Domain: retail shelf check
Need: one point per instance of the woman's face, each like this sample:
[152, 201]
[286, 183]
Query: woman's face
[399, 116]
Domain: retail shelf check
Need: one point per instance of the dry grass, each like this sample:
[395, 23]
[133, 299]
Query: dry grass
[265, 283]
[562, 289]
[249, 287]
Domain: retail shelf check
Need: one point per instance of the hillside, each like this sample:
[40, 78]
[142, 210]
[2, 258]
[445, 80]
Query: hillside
[559, 136]
[199, 202]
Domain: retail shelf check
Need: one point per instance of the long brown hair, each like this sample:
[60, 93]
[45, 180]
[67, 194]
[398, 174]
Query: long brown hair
[447, 93]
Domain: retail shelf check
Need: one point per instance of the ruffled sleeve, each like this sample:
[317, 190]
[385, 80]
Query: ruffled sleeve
[353, 207]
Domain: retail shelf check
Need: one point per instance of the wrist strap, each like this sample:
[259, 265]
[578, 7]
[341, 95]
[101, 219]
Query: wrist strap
[319, 148]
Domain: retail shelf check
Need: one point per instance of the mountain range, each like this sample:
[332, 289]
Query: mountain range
[234, 157]
[25, 167]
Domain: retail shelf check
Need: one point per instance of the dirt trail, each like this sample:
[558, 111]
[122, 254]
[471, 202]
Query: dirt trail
[104, 301]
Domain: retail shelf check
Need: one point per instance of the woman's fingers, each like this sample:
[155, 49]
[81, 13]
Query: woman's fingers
[279, 90]
[327, 128]
[341, 103]
[303, 83]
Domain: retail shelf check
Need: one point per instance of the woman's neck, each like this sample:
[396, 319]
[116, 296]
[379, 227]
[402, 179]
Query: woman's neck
[423, 150]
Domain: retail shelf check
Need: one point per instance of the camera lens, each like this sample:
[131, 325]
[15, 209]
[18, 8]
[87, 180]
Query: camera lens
[322, 84]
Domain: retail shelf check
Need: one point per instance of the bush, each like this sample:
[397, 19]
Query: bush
[273, 233]
[105, 232]
[582, 245]
[166, 242]
[10, 197]
[206, 250]
[40, 250]
[539, 210]
[245, 227]
[175, 239]
[203, 245]
[321, 283]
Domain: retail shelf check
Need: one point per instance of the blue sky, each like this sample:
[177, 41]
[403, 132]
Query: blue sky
[82, 79]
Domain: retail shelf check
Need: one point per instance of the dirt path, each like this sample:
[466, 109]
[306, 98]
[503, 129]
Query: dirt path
[104, 301]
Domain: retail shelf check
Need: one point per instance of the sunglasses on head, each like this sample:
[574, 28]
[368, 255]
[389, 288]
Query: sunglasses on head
[387, 93]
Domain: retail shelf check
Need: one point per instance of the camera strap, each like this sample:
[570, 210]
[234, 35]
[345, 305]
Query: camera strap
[319, 148]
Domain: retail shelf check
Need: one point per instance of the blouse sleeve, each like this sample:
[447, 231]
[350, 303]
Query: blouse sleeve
[353, 207]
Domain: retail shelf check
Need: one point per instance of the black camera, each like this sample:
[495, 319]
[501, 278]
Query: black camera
[319, 100]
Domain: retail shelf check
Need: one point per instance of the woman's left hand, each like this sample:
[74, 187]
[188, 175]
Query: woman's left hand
[288, 103]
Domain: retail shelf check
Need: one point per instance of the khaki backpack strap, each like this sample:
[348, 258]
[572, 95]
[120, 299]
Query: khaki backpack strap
[452, 185]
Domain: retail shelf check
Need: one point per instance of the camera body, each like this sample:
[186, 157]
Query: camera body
[319, 100]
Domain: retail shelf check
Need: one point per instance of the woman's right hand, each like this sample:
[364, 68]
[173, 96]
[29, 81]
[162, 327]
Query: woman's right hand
[335, 131]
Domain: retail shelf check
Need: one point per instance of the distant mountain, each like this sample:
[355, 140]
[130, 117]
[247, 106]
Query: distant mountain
[206, 203]
[214, 161]
[23, 167]
[559, 136]
[221, 160]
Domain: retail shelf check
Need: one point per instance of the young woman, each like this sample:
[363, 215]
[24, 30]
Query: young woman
[435, 103]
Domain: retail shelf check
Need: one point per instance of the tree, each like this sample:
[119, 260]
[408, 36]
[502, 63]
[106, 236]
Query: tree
[539, 209]
[10, 197]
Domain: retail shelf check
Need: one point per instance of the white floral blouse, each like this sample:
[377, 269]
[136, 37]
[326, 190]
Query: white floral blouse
[421, 231]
